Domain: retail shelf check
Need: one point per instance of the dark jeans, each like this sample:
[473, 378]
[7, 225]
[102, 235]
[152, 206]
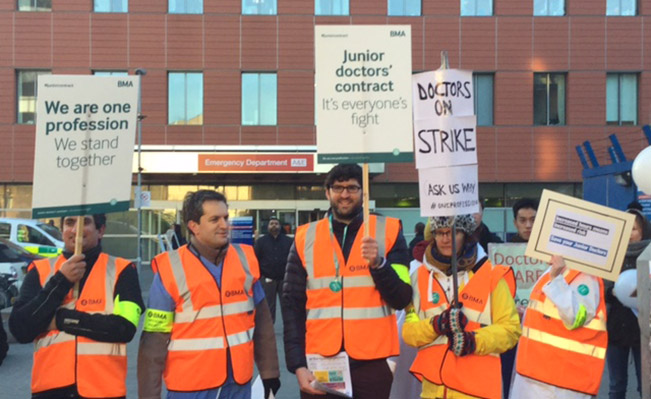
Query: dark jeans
[272, 289]
[371, 380]
[508, 360]
[617, 361]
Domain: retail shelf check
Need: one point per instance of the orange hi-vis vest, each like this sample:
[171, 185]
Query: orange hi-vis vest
[551, 353]
[354, 315]
[99, 369]
[208, 320]
[473, 375]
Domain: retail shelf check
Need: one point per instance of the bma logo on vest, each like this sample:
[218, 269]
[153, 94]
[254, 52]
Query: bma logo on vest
[467, 297]
[96, 301]
[234, 292]
[357, 268]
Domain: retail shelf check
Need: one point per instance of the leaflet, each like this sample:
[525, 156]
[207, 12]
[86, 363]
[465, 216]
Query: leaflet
[332, 374]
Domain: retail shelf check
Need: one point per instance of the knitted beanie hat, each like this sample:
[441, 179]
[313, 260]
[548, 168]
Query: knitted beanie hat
[465, 223]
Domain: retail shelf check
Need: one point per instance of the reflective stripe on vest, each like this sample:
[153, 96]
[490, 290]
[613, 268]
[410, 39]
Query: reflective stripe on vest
[97, 368]
[207, 320]
[550, 352]
[474, 375]
[355, 316]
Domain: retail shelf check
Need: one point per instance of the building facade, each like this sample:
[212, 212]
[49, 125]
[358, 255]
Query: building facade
[235, 78]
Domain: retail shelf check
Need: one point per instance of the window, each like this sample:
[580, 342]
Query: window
[621, 7]
[549, 99]
[26, 106]
[621, 99]
[483, 85]
[259, 7]
[31, 235]
[410, 8]
[259, 99]
[5, 230]
[110, 73]
[476, 8]
[111, 6]
[548, 8]
[185, 7]
[185, 98]
[331, 7]
[34, 5]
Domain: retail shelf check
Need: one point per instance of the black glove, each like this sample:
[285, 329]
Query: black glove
[462, 343]
[451, 320]
[270, 385]
[67, 318]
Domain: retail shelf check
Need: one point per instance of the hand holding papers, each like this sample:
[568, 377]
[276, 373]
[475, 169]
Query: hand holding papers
[332, 374]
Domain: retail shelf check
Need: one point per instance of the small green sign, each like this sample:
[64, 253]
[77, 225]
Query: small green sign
[583, 289]
[436, 298]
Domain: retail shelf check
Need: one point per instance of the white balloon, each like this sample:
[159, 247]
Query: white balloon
[625, 287]
[642, 170]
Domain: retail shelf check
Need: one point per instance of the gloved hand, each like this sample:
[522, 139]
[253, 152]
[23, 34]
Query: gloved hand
[451, 320]
[270, 385]
[462, 343]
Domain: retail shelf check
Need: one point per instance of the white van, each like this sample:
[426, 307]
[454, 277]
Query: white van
[36, 237]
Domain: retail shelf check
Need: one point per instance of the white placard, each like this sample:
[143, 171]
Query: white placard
[446, 92]
[363, 93]
[85, 133]
[445, 141]
[448, 191]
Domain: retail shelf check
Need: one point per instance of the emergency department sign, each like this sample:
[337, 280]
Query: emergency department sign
[85, 133]
[363, 93]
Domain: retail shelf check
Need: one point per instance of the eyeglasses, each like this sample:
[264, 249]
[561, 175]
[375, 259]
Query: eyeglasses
[340, 189]
[446, 234]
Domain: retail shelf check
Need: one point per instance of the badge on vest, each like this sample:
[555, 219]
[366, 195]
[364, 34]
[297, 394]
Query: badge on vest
[335, 286]
[583, 289]
[436, 298]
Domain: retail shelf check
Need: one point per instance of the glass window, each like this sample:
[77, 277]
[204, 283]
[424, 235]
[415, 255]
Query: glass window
[32, 236]
[185, 7]
[331, 7]
[410, 8]
[549, 99]
[476, 8]
[551, 8]
[5, 230]
[26, 106]
[185, 98]
[259, 98]
[111, 6]
[110, 73]
[483, 84]
[259, 7]
[621, 99]
[621, 7]
[34, 5]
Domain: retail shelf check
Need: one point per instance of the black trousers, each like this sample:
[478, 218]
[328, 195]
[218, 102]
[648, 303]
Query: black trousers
[371, 380]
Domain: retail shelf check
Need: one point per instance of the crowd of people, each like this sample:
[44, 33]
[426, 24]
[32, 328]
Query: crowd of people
[212, 306]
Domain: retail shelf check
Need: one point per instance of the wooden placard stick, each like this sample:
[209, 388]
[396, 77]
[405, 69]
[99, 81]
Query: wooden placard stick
[79, 238]
[365, 198]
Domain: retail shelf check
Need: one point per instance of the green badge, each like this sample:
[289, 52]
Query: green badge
[435, 298]
[335, 286]
[583, 290]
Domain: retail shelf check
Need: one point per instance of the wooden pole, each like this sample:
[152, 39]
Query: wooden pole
[365, 198]
[79, 238]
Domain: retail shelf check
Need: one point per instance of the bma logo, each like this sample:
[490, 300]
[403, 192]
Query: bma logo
[299, 162]
[91, 301]
[153, 315]
[356, 268]
[234, 292]
[125, 83]
[467, 297]
[397, 33]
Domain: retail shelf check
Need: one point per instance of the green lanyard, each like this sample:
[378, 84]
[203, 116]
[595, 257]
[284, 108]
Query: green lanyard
[336, 285]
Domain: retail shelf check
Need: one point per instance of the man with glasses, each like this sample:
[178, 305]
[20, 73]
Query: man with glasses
[340, 290]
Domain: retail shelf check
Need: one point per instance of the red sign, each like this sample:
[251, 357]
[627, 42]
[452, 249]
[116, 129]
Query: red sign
[235, 163]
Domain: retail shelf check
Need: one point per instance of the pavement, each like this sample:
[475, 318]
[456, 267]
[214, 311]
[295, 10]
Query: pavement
[15, 372]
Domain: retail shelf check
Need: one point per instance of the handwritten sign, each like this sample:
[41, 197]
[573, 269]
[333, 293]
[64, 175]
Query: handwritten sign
[448, 191]
[446, 92]
[446, 141]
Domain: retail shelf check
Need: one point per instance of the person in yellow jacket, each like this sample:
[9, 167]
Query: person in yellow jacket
[459, 347]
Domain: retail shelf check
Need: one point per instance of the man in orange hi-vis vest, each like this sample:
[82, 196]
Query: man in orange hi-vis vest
[340, 290]
[562, 350]
[79, 343]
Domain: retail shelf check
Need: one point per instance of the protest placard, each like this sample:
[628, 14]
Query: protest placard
[363, 93]
[445, 92]
[85, 133]
[448, 191]
[592, 238]
[445, 141]
[526, 270]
